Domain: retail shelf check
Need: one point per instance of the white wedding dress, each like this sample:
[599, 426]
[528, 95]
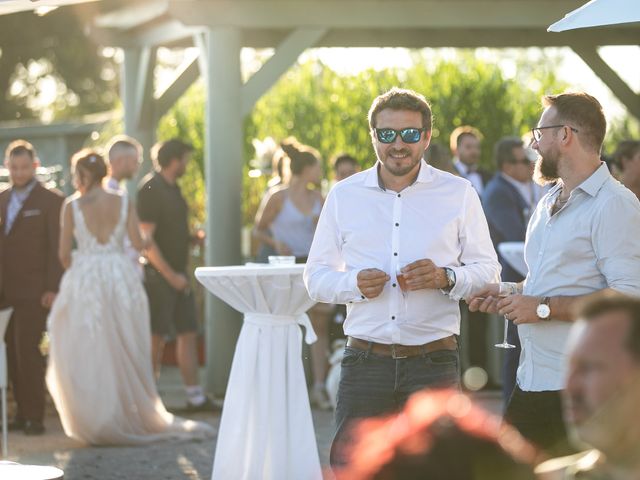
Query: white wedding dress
[100, 374]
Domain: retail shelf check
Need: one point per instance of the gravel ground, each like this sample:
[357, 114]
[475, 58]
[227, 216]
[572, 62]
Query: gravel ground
[191, 460]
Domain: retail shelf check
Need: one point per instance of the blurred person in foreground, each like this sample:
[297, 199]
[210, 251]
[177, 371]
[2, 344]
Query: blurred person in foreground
[100, 374]
[125, 156]
[164, 219]
[581, 239]
[439, 435]
[602, 393]
[400, 243]
[29, 277]
[286, 222]
[627, 159]
[508, 200]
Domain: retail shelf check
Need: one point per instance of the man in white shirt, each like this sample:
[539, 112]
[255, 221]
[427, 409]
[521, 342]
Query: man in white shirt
[398, 223]
[581, 239]
[125, 157]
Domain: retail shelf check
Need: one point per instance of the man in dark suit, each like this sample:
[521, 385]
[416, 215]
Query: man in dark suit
[508, 201]
[30, 274]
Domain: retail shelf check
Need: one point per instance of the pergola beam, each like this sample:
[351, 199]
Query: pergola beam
[367, 14]
[286, 55]
[183, 79]
[611, 79]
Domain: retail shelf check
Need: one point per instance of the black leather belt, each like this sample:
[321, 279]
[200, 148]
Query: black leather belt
[403, 351]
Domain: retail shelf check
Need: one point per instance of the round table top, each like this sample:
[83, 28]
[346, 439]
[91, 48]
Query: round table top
[250, 269]
[11, 471]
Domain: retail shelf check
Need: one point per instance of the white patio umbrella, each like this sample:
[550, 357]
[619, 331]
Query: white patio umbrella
[598, 13]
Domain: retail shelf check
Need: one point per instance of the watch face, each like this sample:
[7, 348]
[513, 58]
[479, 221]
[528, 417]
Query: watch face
[543, 311]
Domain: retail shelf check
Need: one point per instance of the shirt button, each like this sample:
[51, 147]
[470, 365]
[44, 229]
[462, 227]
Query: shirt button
[395, 254]
[393, 317]
[399, 195]
[397, 224]
[393, 285]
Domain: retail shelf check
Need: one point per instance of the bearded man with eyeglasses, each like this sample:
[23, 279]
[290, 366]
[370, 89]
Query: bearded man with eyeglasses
[581, 239]
[400, 243]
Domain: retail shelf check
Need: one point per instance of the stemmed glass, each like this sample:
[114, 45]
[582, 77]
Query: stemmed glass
[505, 343]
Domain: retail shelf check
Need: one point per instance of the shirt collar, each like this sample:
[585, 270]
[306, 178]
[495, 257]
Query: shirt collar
[594, 183]
[372, 179]
[26, 190]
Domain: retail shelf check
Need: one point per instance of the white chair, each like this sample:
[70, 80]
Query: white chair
[5, 316]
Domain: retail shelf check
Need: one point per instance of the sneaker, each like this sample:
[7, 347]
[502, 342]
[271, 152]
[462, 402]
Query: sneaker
[206, 406]
[318, 398]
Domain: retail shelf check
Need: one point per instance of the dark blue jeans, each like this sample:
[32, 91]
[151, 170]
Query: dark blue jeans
[372, 385]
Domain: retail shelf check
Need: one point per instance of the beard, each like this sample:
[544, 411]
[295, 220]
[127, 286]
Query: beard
[391, 164]
[546, 169]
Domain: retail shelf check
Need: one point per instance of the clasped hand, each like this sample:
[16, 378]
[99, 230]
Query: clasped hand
[419, 275]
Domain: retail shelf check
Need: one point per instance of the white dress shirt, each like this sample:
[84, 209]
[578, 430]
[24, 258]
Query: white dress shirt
[589, 245]
[473, 176]
[362, 225]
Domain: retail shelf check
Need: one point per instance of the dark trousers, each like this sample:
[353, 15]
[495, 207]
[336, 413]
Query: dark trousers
[510, 364]
[538, 418]
[26, 363]
[372, 385]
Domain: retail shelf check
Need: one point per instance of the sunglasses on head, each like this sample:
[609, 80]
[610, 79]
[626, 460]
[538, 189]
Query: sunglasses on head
[408, 135]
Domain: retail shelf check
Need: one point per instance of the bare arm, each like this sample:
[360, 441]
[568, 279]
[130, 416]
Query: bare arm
[66, 234]
[157, 260]
[268, 211]
[133, 230]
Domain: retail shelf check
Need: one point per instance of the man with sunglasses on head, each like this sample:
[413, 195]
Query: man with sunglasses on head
[398, 224]
[581, 239]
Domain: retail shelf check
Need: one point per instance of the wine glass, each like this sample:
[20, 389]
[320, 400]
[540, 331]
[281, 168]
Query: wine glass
[505, 344]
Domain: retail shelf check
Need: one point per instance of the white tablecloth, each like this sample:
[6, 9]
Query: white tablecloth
[513, 253]
[266, 429]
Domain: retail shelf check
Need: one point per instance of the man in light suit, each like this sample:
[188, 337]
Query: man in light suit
[30, 274]
[508, 201]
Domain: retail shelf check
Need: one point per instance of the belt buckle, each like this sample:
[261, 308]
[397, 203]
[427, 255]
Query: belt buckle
[393, 353]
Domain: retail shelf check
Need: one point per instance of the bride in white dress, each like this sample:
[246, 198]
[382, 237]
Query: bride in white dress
[100, 374]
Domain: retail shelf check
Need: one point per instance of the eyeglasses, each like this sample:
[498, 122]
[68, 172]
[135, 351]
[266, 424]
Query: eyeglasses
[408, 135]
[537, 132]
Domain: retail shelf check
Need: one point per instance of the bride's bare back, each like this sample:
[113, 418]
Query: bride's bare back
[101, 211]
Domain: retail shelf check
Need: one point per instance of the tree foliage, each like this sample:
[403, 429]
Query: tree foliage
[50, 68]
[329, 111]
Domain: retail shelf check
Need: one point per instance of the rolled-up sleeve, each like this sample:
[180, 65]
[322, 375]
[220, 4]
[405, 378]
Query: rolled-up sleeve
[326, 277]
[615, 241]
[478, 257]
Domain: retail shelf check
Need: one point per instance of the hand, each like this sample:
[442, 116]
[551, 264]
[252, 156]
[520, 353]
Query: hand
[282, 248]
[519, 308]
[486, 299]
[178, 281]
[371, 281]
[47, 299]
[424, 274]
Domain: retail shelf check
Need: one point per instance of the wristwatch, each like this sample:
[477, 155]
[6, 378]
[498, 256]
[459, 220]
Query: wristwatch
[543, 310]
[451, 280]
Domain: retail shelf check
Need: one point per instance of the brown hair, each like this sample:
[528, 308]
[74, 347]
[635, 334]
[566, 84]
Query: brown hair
[401, 99]
[90, 162]
[584, 113]
[20, 147]
[626, 150]
[458, 134]
[300, 156]
[503, 150]
[609, 302]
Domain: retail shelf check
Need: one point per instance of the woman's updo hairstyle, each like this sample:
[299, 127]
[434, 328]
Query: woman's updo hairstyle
[300, 156]
[90, 167]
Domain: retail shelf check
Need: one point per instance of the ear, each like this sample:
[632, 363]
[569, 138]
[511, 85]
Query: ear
[427, 136]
